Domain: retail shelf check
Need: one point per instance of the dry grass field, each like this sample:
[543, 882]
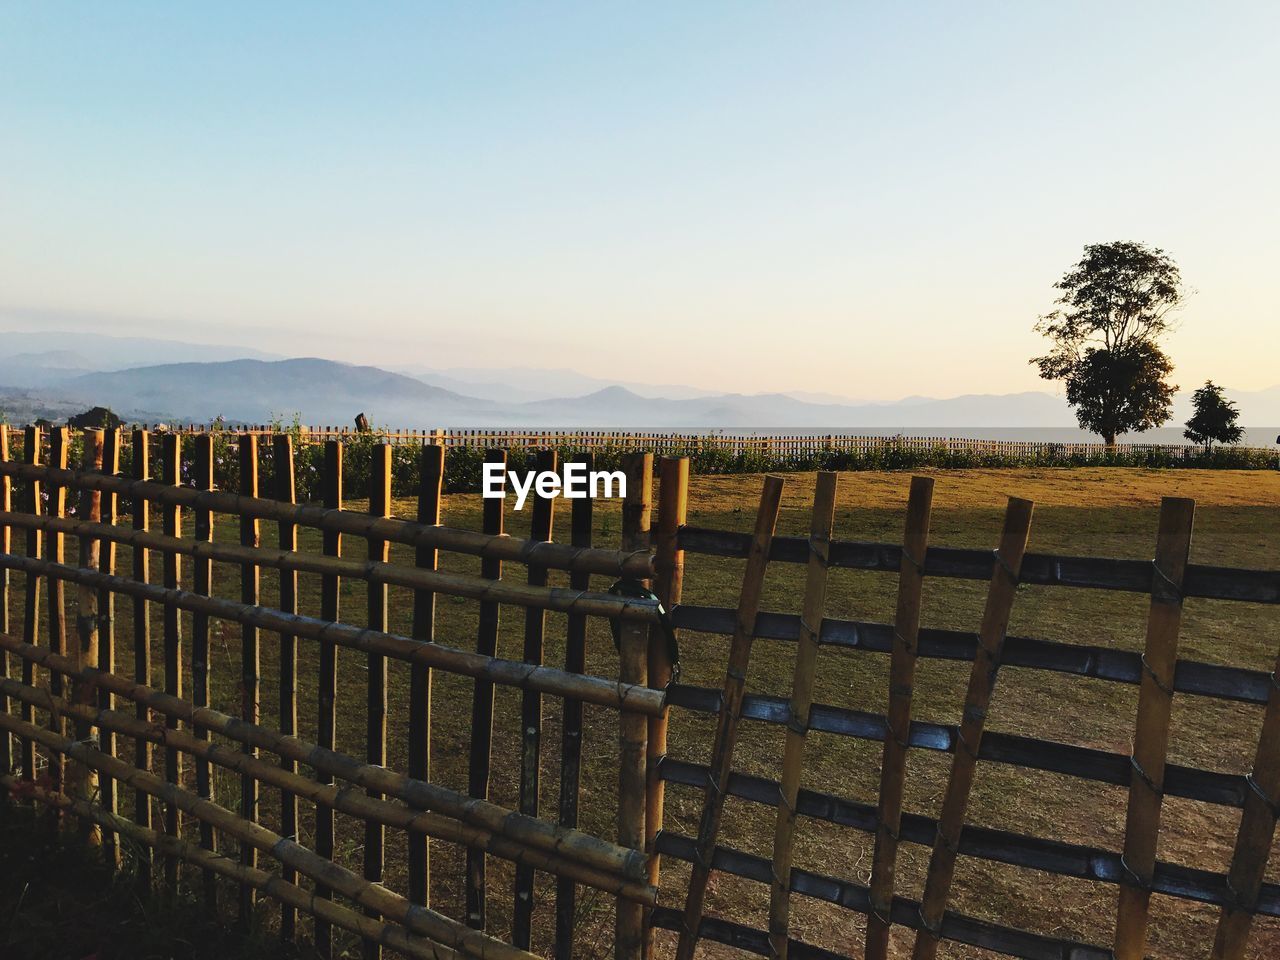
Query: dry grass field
[1099, 512]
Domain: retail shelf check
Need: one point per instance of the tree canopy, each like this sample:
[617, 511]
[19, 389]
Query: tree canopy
[1214, 419]
[1112, 308]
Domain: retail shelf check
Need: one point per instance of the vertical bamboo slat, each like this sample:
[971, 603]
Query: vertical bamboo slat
[56, 590]
[673, 508]
[81, 781]
[575, 657]
[430, 485]
[284, 489]
[814, 608]
[31, 450]
[250, 662]
[171, 473]
[6, 504]
[107, 631]
[982, 682]
[376, 715]
[202, 582]
[730, 711]
[1151, 737]
[1255, 835]
[535, 625]
[141, 445]
[902, 669]
[633, 728]
[482, 703]
[327, 688]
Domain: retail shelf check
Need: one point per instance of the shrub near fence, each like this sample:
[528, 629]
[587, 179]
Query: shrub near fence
[707, 454]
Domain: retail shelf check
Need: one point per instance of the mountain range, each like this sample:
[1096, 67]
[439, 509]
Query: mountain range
[155, 380]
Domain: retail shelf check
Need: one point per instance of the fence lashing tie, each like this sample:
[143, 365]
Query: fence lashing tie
[1166, 688]
[917, 565]
[1004, 565]
[1163, 588]
[1132, 878]
[910, 648]
[932, 929]
[1145, 777]
[1272, 804]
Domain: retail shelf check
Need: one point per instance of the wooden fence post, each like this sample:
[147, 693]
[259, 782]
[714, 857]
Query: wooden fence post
[730, 712]
[575, 658]
[171, 474]
[202, 582]
[107, 789]
[902, 669]
[81, 781]
[376, 712]
[6, 504]
[56, 590]
[330, 609]
[141, 571]
[250, 661]
[284, 489]
[673, 506]
[964, 762]
[31, 454]
[633, 668]
[535, 625]
[815, 605]
[430, 484]
[1151, 737]
[482, 701]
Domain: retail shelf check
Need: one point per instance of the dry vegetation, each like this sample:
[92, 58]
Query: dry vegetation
[1101, 512]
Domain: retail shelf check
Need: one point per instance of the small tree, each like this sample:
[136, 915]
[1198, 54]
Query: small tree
[1114, 305]
[1214, 420]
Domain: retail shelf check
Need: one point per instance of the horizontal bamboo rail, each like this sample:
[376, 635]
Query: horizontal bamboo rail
[585, 602]
[628, 697]
[556, 556]
[391, 935]
[418, 919]
[358, 805]
[591, 851]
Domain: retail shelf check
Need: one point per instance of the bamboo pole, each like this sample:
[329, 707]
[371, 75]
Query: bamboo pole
[284, 490]
[535, 625]
[272, 885]
[171, 474]
[730, 711]
[982, 680]
[31, 450]
[107, 631]
[902, 669]
[141, 573]
[250, 658]
[571, 845]
[476, 543]
[374, 896]
[6, 546]
[1151, 737]
[673, 507]
[633, 729]
[376, 702]
[327, 686]
[80, 782]
[55, 590]
[815, 601]
[202, 583]
[1255, 835]
[575, 662]
[461, 585]
[482, 701]
[430, 485]
[514, 673]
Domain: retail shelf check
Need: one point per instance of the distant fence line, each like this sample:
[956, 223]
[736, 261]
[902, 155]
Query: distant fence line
[771, 446]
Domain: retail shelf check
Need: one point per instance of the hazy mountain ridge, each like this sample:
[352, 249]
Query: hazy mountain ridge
[53, 382]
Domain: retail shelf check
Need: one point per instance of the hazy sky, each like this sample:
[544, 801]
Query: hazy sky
[865, 199]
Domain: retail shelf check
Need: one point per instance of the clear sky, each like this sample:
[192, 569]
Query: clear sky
[865, 199]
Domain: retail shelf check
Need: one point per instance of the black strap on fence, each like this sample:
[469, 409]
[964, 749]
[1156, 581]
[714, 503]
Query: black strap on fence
[636, 590]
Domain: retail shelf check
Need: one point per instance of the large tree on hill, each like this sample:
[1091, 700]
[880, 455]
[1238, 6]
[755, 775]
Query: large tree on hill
[1113, 307]
[1214, 419]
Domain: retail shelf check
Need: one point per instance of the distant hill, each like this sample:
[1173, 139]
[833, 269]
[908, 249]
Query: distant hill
[323, 391]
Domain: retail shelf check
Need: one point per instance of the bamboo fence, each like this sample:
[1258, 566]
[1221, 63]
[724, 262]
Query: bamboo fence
[67, 714]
